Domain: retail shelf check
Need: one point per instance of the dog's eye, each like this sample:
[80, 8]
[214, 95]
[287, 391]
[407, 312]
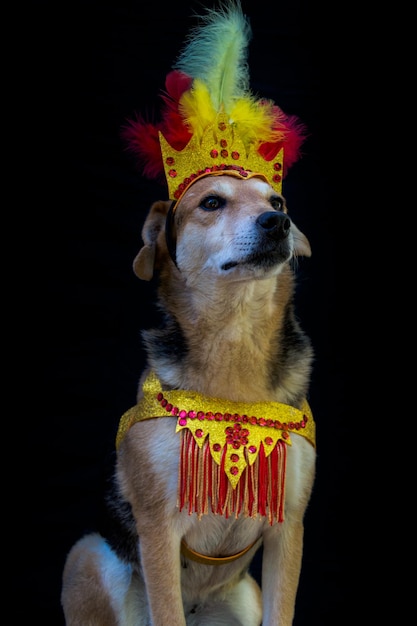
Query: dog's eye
[212, 203]
[277, 203]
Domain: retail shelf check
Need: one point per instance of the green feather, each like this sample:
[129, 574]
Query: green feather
[216, 52]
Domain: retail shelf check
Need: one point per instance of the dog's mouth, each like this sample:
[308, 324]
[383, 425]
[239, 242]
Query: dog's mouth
[262, 259]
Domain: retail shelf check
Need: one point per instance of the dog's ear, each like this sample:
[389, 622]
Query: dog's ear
[144, 262]
[301, 243]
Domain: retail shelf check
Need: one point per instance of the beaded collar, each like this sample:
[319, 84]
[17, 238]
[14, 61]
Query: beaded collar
[233, 454]
[193, 409]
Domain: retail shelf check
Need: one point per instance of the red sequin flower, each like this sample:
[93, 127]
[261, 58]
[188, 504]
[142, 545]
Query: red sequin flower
[237, 436]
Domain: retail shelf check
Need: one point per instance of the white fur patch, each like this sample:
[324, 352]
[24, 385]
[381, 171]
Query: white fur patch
[127, 600]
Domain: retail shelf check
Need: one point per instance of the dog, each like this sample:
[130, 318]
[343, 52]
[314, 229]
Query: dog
[227, 352]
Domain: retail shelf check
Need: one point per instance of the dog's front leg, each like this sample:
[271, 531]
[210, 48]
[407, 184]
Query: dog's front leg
[161, 566]
[281, 566]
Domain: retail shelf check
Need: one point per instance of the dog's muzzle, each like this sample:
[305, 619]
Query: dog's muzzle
[274, 224]
[273, 228]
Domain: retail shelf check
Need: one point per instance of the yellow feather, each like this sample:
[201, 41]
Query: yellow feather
[197, 109]
[255, 121]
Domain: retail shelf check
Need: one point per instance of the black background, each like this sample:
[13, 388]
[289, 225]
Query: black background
[92, 65]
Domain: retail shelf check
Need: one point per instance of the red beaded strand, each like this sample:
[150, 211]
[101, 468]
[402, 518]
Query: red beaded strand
[228, 417]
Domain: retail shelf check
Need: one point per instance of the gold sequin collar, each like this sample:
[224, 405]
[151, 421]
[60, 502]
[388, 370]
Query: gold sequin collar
[191, 408]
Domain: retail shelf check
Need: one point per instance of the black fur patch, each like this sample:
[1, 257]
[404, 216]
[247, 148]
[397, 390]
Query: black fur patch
[167, 341]
[293, 348]
[118, 526]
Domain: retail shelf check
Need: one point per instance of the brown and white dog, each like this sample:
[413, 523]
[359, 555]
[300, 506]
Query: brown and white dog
[225, 265]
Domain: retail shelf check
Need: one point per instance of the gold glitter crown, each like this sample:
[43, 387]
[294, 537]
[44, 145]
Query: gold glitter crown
[220, 151]
[210, 114]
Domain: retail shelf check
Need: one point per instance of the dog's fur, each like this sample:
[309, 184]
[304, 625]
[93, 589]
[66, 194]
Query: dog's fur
[228, 330]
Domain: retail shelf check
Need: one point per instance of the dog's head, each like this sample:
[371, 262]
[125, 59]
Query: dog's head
[223, 227]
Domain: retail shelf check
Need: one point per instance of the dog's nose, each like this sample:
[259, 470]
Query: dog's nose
[276, 223]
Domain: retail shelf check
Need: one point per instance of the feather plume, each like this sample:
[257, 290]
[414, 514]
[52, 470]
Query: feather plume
[216, 53]
[210, 76]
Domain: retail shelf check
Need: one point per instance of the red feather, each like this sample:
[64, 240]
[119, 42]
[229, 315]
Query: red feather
[142, 138]
[294, 134]
[176, 83]
[173, 128]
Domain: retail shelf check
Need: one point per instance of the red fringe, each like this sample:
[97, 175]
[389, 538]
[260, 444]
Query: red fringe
[203, 484]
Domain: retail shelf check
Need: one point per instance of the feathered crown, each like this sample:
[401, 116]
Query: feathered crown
[211, 122]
